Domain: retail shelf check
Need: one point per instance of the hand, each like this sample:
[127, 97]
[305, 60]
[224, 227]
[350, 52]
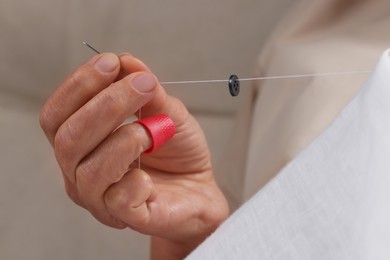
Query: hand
[174, 198]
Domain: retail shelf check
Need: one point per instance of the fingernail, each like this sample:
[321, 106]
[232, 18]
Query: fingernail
[144, 82]
[107, 63]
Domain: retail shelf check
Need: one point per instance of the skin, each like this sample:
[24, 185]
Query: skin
[174, 198]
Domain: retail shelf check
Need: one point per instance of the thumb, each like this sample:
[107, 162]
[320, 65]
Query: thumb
[161, 102]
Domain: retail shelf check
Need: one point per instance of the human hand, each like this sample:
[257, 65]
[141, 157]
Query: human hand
[174, 198]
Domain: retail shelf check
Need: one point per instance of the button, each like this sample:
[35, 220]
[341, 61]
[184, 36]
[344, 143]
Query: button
[234, 85]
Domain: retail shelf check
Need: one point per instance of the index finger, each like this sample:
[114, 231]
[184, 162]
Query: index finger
[77, 89]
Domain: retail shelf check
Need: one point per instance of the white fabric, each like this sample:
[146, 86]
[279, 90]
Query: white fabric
[331, 201]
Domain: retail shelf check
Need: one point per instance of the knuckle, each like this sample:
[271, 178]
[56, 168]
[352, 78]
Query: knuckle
[46, 120]
[117, 200]
[79, 78]
[72, 194]
[127, 205]
[64, 146]
[138, 135]
[87, 174]
[113, 102]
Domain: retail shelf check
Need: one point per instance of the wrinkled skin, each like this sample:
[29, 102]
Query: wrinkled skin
[174, 198]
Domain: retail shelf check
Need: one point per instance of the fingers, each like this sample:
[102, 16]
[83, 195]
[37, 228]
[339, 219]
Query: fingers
[80, 121]
[161, 102]
[109, 162]
[77, 89]
[129, 198]
[107, 165]
[86, 109]
[92, 123]
[130, 64]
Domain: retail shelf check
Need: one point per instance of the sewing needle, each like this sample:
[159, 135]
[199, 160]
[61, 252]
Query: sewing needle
[92, 48]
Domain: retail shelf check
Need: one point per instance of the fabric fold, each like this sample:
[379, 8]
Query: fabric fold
[331, 201]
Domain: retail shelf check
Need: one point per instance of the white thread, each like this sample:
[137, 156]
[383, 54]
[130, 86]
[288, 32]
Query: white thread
[193, 81]
[269, 77]
[251, 79]
[139, 157]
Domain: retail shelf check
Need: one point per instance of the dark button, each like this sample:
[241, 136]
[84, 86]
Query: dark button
[234, 85]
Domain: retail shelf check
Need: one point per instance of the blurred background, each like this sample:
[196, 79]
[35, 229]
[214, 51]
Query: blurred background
[41, 42]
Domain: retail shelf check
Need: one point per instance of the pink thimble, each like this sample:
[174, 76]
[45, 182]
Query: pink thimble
[160, 128]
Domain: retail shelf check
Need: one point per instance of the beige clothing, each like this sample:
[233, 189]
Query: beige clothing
[331, 201]
[281, 117]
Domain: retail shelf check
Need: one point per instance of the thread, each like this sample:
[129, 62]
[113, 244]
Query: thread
[253, 79]
[324, 74]
[139, 157]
